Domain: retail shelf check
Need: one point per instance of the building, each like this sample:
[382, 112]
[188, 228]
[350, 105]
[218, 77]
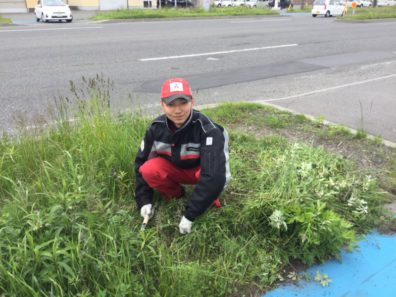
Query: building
[20, 6]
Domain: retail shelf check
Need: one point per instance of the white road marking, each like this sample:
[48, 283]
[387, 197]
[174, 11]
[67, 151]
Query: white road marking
[49, 29]
[356, 83]
[218, 53]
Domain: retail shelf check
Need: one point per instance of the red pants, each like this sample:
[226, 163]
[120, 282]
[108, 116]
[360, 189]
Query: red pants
[166, 178]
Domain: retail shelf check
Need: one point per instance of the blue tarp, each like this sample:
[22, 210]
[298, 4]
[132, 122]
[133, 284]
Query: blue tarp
[368, 271]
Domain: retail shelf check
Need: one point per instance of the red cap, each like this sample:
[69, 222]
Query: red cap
[175, 88]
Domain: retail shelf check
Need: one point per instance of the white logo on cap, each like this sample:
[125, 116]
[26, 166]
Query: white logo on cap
[176, 87]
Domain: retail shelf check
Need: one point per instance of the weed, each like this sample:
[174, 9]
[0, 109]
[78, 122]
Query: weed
[377, 140]
[319, 120]
[339, 130]
[322, 279]
[360, 134]
[274, 122]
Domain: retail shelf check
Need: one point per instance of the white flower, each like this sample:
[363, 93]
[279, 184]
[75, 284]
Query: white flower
[359, 205]
[277, 220]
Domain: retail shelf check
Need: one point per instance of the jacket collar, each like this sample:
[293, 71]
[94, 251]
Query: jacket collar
[166, 120]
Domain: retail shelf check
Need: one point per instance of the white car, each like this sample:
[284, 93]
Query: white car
[365, 3]
[328, 8]
[223, 3]
[217, 3]
[251, 3]
[382, 3]
[238, 3]
[52, 10]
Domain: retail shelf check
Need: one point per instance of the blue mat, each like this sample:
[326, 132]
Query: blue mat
[369, 271]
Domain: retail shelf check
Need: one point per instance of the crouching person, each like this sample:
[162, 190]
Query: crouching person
[182, 146]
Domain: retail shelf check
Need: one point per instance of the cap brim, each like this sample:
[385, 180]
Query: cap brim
[172, 98]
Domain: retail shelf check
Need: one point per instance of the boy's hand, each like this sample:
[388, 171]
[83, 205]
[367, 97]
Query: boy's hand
[147, 210]
[185, 225]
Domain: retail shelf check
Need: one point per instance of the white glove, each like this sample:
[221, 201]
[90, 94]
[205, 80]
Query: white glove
[147, 210]
[185, 225]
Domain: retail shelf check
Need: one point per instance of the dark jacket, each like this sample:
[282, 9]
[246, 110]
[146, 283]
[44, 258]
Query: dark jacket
[198, 142]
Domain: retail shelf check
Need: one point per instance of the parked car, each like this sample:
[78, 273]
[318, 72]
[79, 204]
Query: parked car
[262, 3]
[328, 8]
[256, 3]
[365, 3]
[179, 3]
[217, 3]
[223, 3]
[381, 3]
[52, 10]
[238, 3]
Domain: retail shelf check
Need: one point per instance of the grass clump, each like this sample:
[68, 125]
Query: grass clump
[181, 12]
[4, 20]
[370, 13]
[70, 227]
[306, 8]
[259, 116]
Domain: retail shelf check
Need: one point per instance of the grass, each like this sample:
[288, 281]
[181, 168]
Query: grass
[4, 20]
[306, 8]
[181, 12]
[70, 227]
[371, 13]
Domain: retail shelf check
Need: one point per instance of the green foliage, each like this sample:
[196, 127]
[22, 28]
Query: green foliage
[4, 20]
[377, 140]
[69, 225]
[311, 199]
[370, 13]
[360, 134]
[338, 130]
[319, 121]
[182, 12]
[257, 115]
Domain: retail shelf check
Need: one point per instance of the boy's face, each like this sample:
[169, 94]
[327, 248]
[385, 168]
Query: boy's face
[178, 111]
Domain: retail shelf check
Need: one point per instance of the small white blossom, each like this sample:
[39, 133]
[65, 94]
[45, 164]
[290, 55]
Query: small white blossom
[359, 205]
[277, 220]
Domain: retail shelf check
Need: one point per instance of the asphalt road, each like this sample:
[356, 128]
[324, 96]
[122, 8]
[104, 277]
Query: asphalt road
[345, 72]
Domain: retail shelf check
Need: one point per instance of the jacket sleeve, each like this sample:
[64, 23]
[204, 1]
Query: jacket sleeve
[215, 172]
[143, 193]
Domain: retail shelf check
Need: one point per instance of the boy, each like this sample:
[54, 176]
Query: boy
[182, 146]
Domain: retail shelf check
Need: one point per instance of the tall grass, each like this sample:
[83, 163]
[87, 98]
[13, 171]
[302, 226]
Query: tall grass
[371, 13]
[69, 225]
